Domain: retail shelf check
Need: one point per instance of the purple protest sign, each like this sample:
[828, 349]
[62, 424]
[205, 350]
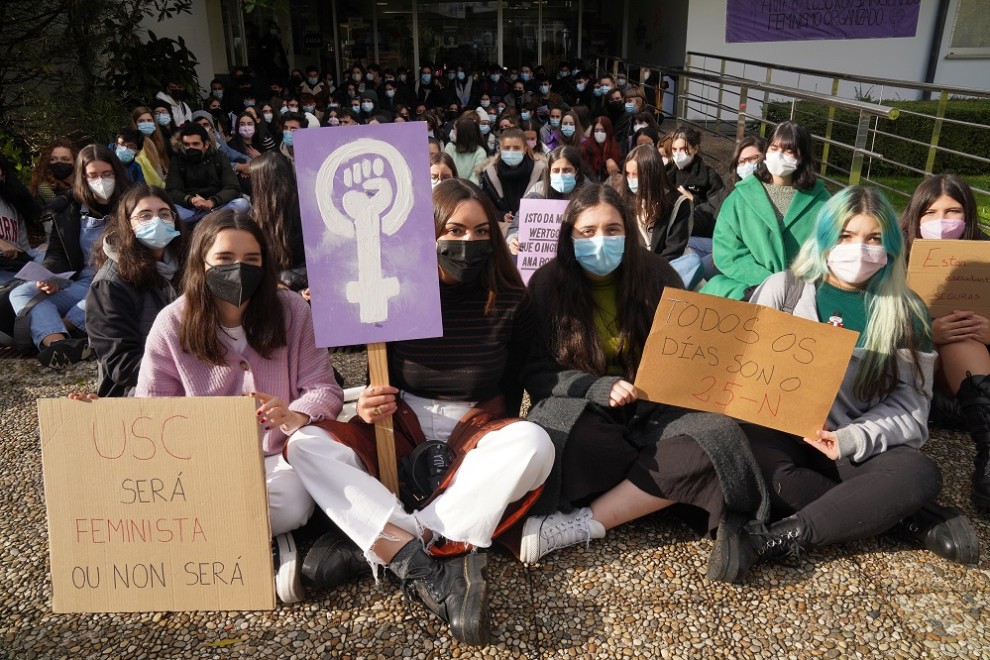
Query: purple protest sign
[539, 227]
[367, 215]
[805, 20]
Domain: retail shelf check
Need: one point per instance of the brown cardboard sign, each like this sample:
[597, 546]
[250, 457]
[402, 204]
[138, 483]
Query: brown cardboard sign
[747, 361]
[156, 504]
[950, 275]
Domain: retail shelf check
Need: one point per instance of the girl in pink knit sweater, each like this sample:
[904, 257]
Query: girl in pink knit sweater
[233, 332]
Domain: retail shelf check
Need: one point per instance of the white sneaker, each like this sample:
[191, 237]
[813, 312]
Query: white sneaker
[288, 570]
[542, 536]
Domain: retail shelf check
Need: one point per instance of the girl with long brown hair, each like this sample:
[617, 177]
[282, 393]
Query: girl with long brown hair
[233, 332]
[138, 272]
[652, 199]
[621, 458]
[154, 156]
[276, 209]
[56, 307]
[454, 396]
[52, 174]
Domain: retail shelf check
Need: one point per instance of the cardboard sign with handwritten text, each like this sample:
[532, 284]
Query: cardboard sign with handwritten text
[950, 275]
[539, 227]
[156, 504]
[744, 360]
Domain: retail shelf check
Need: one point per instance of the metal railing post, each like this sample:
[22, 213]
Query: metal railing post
[828, 129]
[721, 88]
[862, 132]
[943, 100]
[741, 117]
[766, 102]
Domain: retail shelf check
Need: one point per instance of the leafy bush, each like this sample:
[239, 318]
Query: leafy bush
[894, 149]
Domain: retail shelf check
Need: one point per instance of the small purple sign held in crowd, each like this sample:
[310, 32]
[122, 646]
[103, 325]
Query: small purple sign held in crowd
[806, 20]
[539, 227]
[367, 215]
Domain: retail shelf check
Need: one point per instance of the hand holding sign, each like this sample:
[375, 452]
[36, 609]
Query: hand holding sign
[744, 360]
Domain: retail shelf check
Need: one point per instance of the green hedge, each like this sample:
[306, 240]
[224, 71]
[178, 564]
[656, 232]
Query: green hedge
[960, 138]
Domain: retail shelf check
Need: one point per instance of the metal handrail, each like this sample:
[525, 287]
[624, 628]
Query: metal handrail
[901, 84]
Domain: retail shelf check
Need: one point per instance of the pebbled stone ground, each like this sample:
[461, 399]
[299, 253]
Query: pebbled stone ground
[640, 593]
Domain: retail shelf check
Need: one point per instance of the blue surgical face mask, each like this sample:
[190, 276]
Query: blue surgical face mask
[495, 77]
[485, 129]
[426, 78]
[743, 170]
[525, 116]
[633, 184]
[309, 108]
[312, 80]
[125, 155]
[512, 158]
[630, 107]
[163, 118]
[581, 86]
[544, 90]
[563, 182]
[284, 109]
[460, 75]
[568, 129]
[146, 127]
[156, 233]
[217, 93]
[368, 107]
[248, 103]
[287, 138]
[525, 76]
[485, 103]
[600, 255]
[554, 122]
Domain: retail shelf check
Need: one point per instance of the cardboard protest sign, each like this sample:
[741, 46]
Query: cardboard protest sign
[539, 227]
[367, 214]
[156, 504]
[950, 275]
[746, 361]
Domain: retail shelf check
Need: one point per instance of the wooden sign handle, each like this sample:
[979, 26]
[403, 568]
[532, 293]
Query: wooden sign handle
[384, 435]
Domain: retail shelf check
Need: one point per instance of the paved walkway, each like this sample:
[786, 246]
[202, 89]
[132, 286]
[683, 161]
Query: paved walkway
[641, 593]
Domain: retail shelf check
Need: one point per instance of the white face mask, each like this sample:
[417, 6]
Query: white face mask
[102, 188]
[600, 137]
[780, 164]
[855, 263]
[745, 169]
[633, 184]
[682, 159]
[638, 127]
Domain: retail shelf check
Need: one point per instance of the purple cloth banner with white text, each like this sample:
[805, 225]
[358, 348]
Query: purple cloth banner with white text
[806, 20]
[367, 215]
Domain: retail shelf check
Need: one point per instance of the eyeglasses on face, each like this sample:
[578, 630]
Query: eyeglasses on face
[148, 216]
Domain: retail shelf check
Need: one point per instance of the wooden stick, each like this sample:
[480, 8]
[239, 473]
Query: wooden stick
[388, 474]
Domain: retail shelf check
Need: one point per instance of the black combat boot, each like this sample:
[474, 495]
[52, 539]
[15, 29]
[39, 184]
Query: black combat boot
[944, 530]
[454, 590]
[736, 549]
[333, 560]
[783, 542]
[974, 397]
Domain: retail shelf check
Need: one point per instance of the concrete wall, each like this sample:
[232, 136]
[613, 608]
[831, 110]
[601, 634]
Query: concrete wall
[891, 58]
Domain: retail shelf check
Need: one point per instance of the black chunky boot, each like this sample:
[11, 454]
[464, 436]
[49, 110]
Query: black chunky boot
[783, 542]
[736, 548]
[454, 590]
[944, 530]
[333, 560]
[974, 397]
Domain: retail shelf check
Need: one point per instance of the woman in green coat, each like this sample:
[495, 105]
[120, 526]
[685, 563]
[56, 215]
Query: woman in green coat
[767, 217]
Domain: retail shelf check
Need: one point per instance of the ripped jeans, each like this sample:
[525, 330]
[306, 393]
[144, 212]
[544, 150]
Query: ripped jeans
[504, 466]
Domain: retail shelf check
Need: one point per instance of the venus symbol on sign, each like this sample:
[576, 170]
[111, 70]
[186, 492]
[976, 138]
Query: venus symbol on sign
[377, 198]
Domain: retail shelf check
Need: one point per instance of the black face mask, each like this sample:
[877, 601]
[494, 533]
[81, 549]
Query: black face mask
[194, 155]
[178, 94]
[463, 260]
[234, 283]
[60, 170]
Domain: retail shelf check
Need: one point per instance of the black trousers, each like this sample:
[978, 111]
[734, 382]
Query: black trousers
[842, 500]
[599, 455]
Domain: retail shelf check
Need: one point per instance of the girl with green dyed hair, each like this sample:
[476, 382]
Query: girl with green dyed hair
[863, 473]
